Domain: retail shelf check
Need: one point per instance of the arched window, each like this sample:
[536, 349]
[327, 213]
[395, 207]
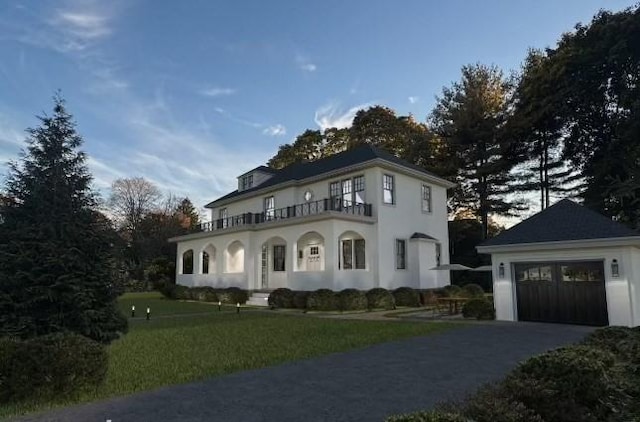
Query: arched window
[209, 260]
[187, 262]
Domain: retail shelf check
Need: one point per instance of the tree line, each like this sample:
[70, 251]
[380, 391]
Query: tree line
[564, 125]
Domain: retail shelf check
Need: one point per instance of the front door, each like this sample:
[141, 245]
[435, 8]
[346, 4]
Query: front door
[565, 292]
[312, 255]
[264, 267]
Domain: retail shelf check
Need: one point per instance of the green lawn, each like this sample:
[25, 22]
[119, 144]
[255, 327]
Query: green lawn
[182, 344]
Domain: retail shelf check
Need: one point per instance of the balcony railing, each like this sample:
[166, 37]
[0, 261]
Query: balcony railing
[293, 211]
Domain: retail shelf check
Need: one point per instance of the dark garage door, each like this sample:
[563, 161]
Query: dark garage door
[564, 292]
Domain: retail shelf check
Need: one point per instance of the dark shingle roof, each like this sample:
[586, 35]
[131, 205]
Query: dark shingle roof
[418, 235]
[563, 221]
[300, 171]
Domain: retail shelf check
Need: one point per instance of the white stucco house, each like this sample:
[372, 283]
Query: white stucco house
[362, 218]
[567, 264]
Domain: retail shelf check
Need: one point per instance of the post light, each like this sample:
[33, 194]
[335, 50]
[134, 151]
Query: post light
[148, 314]
[219, 305]
[615, 268]
[238, 308]
[501, 270]
[133, 311]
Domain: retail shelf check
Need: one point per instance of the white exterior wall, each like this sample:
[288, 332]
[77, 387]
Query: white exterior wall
[400, 221]
[622, 292]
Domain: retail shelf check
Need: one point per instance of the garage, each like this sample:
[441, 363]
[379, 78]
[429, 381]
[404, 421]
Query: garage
[569, 265]
[563, 292]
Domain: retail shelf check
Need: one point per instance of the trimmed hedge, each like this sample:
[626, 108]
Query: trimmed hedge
[472, 290]
[300, 299]
[352, 300]
[479, 309]
[281, 298]
[49, 367]
[203, 294]
[322, 300]
[452, 291]
[380, 298]
[232, 295]
[406, 296]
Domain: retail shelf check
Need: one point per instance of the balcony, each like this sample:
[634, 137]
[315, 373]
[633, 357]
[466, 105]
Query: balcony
[321, 206]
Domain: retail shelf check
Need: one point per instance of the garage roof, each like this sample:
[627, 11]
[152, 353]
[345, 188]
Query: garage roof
[562, 221]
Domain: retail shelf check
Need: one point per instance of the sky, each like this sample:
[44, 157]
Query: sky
[192, 94]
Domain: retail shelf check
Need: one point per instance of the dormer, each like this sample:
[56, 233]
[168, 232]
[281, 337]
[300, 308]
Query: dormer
[254, 177]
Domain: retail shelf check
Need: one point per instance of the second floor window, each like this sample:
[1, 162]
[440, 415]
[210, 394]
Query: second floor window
[222, 216]
[388, 189]
[347, 192]
[426, 198]
[358, 189]
[270, 207]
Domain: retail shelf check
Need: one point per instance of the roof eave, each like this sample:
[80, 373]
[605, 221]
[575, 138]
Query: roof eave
[562, 244]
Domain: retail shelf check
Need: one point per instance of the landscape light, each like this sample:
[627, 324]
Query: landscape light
[148, 314]
[219, 305]
[238, 307]
[133, 311]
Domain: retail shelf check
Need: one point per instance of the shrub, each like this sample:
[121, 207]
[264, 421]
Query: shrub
[493, 403]
[472, 290]
[432, 416]
[49, 367]
[406, 296]
[622, 341]
[300, 299]
[281, 298]
[452, 291]
[575, 383]
[203, 294]
[175, 291]
[479, 309]
[351, 300]
[380, 298]
[322, 300]
[232, 295]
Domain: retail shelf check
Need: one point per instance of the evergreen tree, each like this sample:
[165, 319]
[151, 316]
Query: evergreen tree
[470, 116]
[187, 215]
[56, 265]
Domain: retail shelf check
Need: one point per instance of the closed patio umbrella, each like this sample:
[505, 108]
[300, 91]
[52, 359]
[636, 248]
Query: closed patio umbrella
[451, 267]
[487, 268]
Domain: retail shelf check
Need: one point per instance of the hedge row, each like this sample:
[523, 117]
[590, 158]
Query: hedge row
[596, 380]
[229, 295]
[49, 367]
[344, 300]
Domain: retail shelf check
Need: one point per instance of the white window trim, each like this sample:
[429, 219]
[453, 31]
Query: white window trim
[353, 255]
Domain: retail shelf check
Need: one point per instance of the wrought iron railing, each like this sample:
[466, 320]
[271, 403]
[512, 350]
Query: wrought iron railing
[294, 211]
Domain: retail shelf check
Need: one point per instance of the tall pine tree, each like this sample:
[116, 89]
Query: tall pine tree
[56, 266]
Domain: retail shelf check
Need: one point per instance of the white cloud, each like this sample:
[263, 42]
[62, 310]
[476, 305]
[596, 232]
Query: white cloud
[275, 130]
[83, 25]
[236, 119]
[217, 92]
[414, 100]
[305, 64]
[331, 115]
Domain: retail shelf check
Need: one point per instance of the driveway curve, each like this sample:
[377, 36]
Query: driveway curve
[362, 385]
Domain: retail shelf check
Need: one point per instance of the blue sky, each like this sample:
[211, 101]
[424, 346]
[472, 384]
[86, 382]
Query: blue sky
[191, 94]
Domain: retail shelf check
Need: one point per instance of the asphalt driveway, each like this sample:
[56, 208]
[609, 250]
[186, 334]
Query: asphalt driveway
[363, 385]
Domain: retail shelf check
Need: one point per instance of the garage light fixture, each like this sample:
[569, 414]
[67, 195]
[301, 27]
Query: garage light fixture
[501, 270]
[615, 268]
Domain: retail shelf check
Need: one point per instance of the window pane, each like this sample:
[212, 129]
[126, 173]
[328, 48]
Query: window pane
[346, 192]
[582, 271]
[534, 272]
[358, 183]
[401, 255]
[278, 257]
[187, 262]
[360, 254]
[347, 257]
[269, 206]
[205, 263]
[426, 198]
[387, 186]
